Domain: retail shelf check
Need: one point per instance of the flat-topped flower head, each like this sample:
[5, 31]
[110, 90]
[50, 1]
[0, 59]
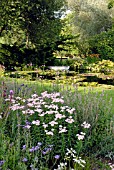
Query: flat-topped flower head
[85, 125]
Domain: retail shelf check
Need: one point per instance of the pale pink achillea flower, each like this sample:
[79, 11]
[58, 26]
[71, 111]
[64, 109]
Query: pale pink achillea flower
[16, 107]
[28, 111]
[62, 130]
[42, 114]
[44, 94]
[45, 125]
[49, 133]
[64, 107]
[80, 136]
[34, 96]
[52, 123]
[7, 99]
[59, 116]
[56, 94]
[30, 105]
[85, 125]
[69, 120]
[70, 110]
[37, 106]
[57, 100]
[30, 99]
[38, 110]
[36, 122]
[53, 107]
[50, 112]
[18, 98]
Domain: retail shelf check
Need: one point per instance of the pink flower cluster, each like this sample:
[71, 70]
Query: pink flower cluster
[50, 113]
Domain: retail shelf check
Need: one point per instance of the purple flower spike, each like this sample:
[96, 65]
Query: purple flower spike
[36, 148]
[44, 153]
[24, 147]
[57, 156]
[11, 92]
[32, 149]
[28, 123]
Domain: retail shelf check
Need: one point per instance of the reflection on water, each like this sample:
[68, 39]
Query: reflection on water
[63, 73]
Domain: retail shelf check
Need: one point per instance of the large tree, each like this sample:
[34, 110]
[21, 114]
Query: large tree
[90, 17]
[33, 24]
[39, 19]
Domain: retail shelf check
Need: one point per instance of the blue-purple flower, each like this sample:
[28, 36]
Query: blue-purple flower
[57, 156]
[24, 147]
[25, 160]
[2, 162]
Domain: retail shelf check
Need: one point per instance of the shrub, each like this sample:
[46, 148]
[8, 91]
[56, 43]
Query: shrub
[103, 44]
[102, 66]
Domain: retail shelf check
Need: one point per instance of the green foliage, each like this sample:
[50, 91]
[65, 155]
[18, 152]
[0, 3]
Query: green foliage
[29, 30]
[20, 55]
[37, 19]
[76, 63]
[103, 44]
[110, 4]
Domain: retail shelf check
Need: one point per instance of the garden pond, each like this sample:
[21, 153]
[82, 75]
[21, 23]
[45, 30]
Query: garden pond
[65, 76]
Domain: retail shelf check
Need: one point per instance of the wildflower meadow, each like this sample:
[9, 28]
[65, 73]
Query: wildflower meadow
[54, 130]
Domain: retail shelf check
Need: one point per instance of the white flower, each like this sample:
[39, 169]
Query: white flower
[80, 136]
[79, 161]
[69, 120]
[59, 116]
[85, 125]
[30, 105]
[49, 133]
[52, 123]
[62, 130]
[18, 98]
[34, 95]
[38, 110]
[37, 122]
[45, 125]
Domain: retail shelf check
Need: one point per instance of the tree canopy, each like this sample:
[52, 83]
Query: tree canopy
[31, 24]
[90, 17]
[38, 19]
